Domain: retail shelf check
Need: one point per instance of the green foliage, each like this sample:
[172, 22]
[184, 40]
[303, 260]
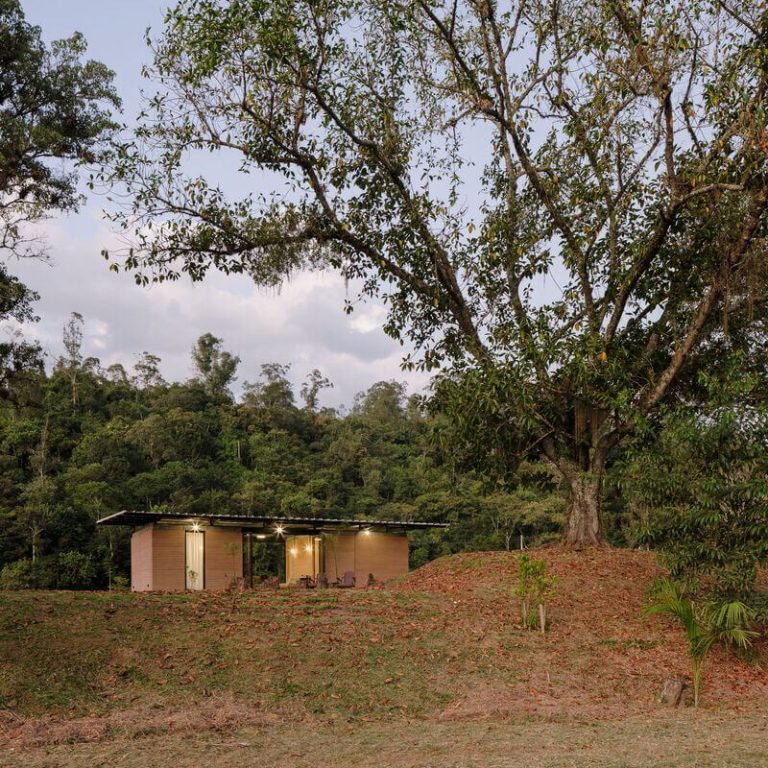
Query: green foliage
[121, 583]
[16, 356]
[53, 106]
[18, 575]
[42, 573]
[534, 587]
[699, 488]
[76, 570]
[726, 622]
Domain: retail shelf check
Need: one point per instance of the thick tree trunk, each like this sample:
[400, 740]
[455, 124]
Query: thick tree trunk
[584, 523]
[584, 477]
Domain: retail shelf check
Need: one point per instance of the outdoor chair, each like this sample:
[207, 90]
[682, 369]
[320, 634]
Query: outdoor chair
[347, 581]
[371, 583]
[307, 582]
[271, 582]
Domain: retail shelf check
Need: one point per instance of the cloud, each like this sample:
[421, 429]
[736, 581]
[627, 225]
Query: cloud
[302, 324]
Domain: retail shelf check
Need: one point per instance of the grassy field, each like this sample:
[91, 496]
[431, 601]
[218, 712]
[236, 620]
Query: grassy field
[434, 671]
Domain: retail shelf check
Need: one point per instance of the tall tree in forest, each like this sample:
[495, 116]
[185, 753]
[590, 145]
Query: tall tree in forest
[147, 371]
[272, 396]
[214, 365]
[314, 384]
[71, 363]
[565, 201]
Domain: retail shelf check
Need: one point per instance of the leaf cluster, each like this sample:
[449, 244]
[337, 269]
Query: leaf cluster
[53, 106]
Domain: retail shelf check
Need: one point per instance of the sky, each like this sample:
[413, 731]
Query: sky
[302, 324]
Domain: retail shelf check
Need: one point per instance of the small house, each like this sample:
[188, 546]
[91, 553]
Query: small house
[174, 552]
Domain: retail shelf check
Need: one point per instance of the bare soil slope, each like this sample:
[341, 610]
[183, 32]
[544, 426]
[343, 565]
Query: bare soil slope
[602, 657]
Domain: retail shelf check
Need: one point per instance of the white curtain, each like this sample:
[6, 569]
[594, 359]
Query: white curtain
[195, 559]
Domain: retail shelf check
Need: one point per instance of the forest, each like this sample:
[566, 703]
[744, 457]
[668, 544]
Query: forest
[81, 441]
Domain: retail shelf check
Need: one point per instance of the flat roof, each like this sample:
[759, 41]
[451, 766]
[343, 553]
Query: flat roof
[264, 522]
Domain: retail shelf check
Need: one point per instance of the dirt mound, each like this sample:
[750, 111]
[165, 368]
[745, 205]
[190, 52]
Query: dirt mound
[602, 656]
[606, 568]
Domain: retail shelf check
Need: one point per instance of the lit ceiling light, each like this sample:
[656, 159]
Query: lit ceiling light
[279, 530]
[196, 527]
[366, 531]
[308, 548]
[261, 536]
[292, 550]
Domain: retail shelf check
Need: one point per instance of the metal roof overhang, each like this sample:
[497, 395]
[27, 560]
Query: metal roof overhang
[290, 525]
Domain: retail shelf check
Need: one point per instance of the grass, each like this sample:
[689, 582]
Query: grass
[438, 661]
[78, 654]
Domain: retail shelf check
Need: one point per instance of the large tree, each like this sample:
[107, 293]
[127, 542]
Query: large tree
[566, 199]
[54, 111]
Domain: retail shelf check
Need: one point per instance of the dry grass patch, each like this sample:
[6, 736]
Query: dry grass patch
[216, 714]
[678, 740]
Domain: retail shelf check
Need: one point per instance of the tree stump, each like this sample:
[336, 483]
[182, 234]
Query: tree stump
[672, 691]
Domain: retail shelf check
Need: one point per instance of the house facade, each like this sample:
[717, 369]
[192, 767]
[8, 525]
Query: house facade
[171, 552]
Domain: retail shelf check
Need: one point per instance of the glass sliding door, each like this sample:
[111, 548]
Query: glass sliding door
[302, 557]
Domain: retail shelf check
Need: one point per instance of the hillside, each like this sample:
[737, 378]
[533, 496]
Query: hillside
[602, 656]
[443, 646]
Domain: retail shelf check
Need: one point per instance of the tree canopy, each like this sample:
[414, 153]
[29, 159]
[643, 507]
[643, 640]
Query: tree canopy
[53, 106]
[564, 202]
[55, 111]
[215, 366]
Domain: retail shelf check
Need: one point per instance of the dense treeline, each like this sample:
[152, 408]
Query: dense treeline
[81, 441]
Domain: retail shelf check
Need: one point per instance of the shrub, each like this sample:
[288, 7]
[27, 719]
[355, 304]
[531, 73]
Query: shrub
[18, 575]
[120, 583]
[534, 586]
[699, 488]
[76, 570]
[25, 574]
